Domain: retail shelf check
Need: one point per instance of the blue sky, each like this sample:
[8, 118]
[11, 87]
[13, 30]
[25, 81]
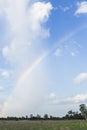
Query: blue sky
[43, 48]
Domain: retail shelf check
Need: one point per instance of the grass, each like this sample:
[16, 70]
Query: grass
[43, 125]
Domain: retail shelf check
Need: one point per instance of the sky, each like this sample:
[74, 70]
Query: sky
[43, 49]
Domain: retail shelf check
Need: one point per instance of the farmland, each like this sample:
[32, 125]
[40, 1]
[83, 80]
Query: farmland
[43, 125]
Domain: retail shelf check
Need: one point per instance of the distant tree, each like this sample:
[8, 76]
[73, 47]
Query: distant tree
[26, 117]
[73, 115]
[66, 116]
[31, 116]
[51, 117]
[23, 118]
[38, 117]
[70, 113]
[83, 110]
[46, 116]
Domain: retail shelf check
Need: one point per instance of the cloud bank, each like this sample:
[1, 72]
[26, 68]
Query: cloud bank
[80, 78]
[25, 28]
[55, 100]
[25, 20]
[82, 8]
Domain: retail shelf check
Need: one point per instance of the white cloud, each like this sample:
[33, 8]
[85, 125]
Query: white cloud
[82, 8]
[73, 54]
[25, 20]
[70, 47]
[54, 100]
[39, 13]
[5, 74]
[1, 88]
[25, 24]
[77, 99]
[58, 52]
[80, 78]
[64, 9]
[52, 96]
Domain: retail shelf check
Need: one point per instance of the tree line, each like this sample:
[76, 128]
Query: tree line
[71, 115]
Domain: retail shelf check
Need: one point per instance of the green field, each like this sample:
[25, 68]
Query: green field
[43, 125]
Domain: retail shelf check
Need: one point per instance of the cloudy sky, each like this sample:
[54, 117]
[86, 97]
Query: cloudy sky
[43, 63]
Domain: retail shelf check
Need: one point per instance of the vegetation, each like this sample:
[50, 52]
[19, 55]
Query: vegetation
[71, 121]
[43, 125]
[83, 110]
[82, 115]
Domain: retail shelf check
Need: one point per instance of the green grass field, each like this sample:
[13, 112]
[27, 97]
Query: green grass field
[43, 125]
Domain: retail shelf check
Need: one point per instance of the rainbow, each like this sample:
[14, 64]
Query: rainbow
[31, 67]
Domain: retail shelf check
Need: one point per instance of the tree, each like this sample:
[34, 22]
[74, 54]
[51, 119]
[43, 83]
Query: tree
[31, 116]
[26, 117]
[83, 110]
[51, 117]
[46, 116]
[70, 113]
[38, 117]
